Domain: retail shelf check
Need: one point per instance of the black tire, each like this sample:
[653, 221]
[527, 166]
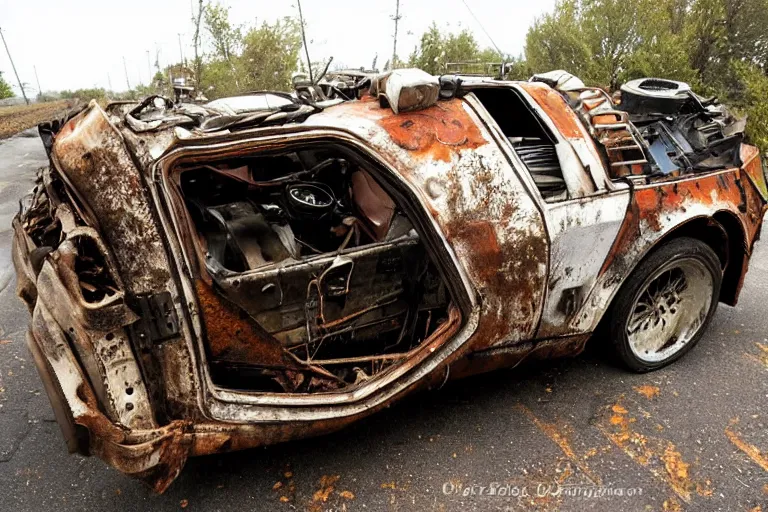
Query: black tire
[624, 304]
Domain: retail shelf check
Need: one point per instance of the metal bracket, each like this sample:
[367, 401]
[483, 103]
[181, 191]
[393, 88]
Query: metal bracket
[157, 319]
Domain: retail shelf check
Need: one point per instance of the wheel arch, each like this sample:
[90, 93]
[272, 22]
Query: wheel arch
[737, 252]
[723, 233]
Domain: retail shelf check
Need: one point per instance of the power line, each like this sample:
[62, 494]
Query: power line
[483, 28]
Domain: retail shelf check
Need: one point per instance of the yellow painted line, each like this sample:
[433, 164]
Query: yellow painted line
[561, 440]
[750, 450]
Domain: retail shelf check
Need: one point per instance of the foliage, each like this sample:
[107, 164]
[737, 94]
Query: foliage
[556, 41]
[85, 94]
[719, 46]
[607, 42]
[271, 54]
[436, 49]
[226, 38]
[516, 68]
[5, 88]
[243, 58]
[752, 98]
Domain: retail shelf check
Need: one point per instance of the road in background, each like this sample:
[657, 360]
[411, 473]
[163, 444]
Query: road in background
[693, 436]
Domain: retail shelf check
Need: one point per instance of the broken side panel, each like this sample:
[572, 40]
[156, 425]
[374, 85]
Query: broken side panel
[315, 261]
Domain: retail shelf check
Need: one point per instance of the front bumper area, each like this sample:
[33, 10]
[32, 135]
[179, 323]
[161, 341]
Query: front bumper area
[155, 456]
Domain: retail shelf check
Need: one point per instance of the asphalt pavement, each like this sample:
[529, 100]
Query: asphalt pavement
[574, 434]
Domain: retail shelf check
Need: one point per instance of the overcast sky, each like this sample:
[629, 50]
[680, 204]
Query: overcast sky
[81, 43]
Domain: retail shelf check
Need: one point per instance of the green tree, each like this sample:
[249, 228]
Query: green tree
[271, 54]
[221, 74]
[606, 42]
[86, 95]
[719, 46]
[436, 49]
[226, 37]
[611, 29]
[663, 49]
[5, 88]
[556, 41]
[750, 96]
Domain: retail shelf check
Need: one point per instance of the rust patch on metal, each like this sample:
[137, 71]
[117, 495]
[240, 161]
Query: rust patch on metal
[234, 336]
[650, 206]
[481, 236]
[503, 273]
[93, 159]
[753, 168]
[556, 108]
[509, 357]
[436, 132]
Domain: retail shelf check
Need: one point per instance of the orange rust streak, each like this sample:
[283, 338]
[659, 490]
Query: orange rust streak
[651, 204]
[750, 155]
[556, 108]
[560, 439]
[762, 356]
[234, 338]
[326, 484]
[436, 132]
[750, 450]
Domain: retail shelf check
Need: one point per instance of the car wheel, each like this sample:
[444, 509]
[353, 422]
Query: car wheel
[665, 305]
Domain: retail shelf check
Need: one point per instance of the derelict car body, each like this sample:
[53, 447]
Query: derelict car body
[196, 291]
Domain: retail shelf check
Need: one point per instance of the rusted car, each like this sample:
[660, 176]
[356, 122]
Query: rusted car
[203, 281]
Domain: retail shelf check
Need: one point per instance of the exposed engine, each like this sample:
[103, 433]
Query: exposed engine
[682, 130]
[316, 252]
[657, 127]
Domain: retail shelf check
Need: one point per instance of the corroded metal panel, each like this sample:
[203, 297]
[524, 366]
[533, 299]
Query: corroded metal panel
[476, 198]
[657, 209]
[582, 233]
[91, 155]
[568, 124]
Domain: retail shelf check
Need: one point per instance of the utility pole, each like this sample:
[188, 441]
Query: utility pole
[149, 70]
[126, 74]
[39, 89]
[157, 57]
[304, 38]
[181, 54]
[396, 18]
[14, 67]
[109, 81]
